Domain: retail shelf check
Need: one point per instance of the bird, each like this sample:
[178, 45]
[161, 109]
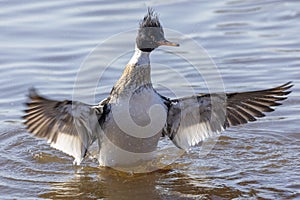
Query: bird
[128, 124]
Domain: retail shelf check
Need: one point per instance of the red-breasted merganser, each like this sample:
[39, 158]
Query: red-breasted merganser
[129, 123]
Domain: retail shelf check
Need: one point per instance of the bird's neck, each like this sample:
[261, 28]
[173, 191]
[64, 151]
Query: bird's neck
[137, 74]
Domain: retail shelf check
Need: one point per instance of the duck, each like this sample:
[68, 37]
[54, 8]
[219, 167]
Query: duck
[127, 125]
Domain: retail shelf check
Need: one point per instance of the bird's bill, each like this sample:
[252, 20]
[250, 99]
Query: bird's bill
[167, 43]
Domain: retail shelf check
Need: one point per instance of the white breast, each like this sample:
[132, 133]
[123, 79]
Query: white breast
[132, 128]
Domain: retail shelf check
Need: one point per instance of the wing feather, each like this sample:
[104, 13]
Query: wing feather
[69, 126]
[193, 119]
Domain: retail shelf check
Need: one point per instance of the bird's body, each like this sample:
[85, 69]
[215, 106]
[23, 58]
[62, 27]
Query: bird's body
[130, 122]
[127, 137]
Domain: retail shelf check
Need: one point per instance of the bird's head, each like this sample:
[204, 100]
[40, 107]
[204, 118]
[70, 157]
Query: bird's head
[151, 34]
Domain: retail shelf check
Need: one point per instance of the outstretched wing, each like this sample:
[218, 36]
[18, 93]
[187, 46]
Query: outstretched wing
[192, 119]
[69, 126]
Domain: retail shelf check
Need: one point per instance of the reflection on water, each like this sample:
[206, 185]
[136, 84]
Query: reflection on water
[255, 45]
[91, 183]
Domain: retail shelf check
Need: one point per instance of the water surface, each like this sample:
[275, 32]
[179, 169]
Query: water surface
[255, 45]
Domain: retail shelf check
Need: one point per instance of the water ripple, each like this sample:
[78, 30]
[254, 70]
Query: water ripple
[255, 45]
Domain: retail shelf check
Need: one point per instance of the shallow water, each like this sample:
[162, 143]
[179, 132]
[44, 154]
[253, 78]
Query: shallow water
[255, 45]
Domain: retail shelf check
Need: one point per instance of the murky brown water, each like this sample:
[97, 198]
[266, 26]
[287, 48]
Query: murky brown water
[255, 44]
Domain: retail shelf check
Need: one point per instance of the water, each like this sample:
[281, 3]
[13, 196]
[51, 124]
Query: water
[255, 45]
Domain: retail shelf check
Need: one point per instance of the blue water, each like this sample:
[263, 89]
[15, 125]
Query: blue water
[254, 44]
